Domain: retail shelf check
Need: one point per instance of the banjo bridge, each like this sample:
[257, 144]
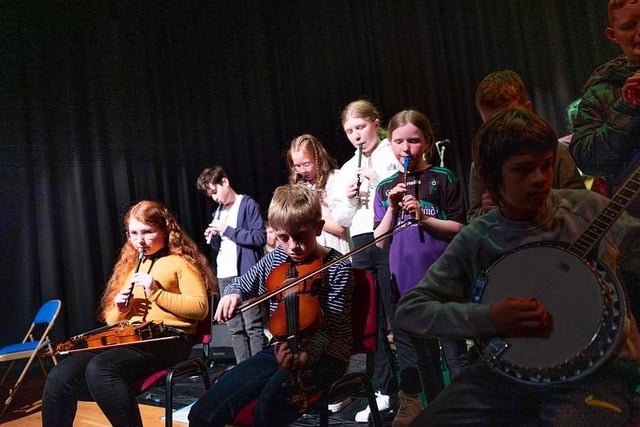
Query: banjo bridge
[496, 347]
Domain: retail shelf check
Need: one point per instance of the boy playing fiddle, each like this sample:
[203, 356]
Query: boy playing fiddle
[323, 354]
[514, 152]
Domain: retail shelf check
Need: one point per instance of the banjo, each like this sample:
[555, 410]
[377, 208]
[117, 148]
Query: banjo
[587, 333]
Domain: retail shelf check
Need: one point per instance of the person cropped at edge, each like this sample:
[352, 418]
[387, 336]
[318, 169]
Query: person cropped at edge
[310, 164]
[514, 151]
[431, 199]
[170, 286]
[505, 89]
[352, 206]
[606, 137]
[606, 134]
[323, 356]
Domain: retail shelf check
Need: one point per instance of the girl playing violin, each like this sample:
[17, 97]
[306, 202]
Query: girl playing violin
[323, 353]
[159, 276]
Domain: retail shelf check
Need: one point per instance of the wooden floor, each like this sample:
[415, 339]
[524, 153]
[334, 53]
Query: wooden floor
[88, 415]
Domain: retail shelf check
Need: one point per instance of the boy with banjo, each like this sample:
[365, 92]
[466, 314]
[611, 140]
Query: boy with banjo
[528, 283]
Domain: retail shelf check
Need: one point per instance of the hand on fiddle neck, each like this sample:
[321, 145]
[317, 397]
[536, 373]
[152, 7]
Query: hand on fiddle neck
[289, 361]
[227, 307]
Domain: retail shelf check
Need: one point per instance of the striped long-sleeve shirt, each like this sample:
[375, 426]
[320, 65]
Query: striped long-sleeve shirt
[334, 293]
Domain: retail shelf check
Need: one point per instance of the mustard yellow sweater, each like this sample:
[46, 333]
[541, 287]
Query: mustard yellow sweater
[180, 299]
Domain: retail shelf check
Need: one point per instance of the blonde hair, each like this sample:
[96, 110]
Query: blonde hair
[178, 243]
[616, 5]
[363, 109]
[311, 147]
[499, 89]
[294, 207]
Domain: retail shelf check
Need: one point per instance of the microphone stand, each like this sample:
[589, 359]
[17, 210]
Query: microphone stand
[441, 146]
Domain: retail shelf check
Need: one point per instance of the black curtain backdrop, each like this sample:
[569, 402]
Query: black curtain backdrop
[104, 103]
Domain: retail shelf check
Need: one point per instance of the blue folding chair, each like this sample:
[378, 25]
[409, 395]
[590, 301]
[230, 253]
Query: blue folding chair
[31, 347]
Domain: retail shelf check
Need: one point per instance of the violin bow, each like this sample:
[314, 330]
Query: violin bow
[264, 297]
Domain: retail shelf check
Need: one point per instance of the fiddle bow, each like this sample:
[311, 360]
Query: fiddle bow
[249, 304]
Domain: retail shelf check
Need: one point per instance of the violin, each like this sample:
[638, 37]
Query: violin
[307, 318]
[298, 314]
[121, 333]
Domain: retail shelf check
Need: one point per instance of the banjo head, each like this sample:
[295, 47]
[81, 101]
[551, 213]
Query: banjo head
[586, 304]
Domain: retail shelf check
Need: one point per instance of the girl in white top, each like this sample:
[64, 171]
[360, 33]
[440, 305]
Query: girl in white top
[311, 165]
[358, 178]
[352, 206]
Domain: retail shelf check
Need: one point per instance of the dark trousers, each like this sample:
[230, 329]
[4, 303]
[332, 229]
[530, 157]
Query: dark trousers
[246, 329]
[481, 397]
[376, 260]
[105, 377]
[259, 377]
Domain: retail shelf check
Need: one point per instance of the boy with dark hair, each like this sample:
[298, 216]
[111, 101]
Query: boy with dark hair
[514, 152]
[237, 237]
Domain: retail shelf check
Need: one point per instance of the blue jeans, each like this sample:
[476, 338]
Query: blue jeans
[104, 376]
[259, 377]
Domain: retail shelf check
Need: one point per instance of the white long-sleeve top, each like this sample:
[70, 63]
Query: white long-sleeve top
[357, 213]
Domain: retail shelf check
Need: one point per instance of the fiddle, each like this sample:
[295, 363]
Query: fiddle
[298, 314]
[250, 303]
[297, 278]
[122, 333]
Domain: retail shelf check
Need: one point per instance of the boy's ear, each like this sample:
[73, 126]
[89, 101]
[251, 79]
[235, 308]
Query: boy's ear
[319, 227]
[611, 35]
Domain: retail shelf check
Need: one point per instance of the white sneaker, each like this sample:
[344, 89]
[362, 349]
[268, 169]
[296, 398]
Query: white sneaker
[338, 406]
[383, 402]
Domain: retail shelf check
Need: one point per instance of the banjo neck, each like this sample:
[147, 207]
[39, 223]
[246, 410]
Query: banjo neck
[603, 222]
